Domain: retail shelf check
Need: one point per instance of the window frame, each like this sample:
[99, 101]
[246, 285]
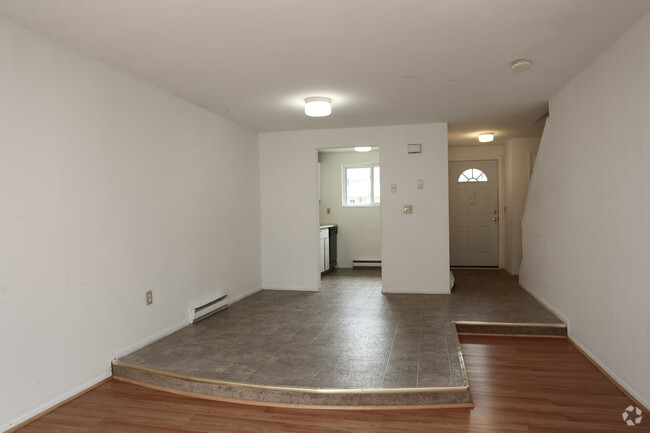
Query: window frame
[344, 184]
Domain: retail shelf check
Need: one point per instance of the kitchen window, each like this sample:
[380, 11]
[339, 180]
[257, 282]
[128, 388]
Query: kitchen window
[360, 185]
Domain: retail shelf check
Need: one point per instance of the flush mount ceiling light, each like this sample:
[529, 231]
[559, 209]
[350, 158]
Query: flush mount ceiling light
[318, 106]
[362, 149]
[486, 138]
[521, 65]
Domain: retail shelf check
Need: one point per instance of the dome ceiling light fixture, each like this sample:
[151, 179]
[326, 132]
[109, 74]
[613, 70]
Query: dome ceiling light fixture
[486, 137]
[318, 106]
[521, 65]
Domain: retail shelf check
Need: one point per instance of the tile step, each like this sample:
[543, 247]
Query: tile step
[511, 329]
[289, 396]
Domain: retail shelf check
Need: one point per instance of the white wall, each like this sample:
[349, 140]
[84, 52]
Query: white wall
[108, 187]
[478, 153]
[517, 176]
[415, 248]
[585, 226]
[359, 228]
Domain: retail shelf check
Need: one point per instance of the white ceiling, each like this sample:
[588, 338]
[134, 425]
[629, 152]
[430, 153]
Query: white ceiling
[381, 61]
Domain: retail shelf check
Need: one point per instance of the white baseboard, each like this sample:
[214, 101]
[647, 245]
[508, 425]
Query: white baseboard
[586, 351]
[244, 295]
[170, 330]
[621, 383]
[510, 271]
[83, 387]
[117, 354]
[297, 289]
[55, 401]
[150, 339]
[436, 291]
[548, 306]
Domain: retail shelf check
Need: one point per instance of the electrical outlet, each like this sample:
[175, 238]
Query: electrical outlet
[149, 295]
[420, 183]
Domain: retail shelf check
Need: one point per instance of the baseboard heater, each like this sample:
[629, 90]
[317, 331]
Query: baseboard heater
[206, 310]
[366, 263]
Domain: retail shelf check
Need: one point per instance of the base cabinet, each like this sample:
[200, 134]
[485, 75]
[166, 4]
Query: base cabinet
[328, 235]
[324, 250]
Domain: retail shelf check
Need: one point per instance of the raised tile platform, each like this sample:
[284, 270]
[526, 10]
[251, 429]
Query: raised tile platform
[347, 346]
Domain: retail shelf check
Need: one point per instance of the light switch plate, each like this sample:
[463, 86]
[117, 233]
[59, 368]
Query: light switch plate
[393, 187]
[414, 148]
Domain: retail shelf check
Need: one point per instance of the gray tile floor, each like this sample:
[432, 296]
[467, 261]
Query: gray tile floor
[348, 335]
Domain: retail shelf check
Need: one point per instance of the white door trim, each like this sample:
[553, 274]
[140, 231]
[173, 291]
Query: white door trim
[488, 156]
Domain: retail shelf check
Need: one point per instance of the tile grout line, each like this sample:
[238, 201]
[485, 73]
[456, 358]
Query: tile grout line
[417, 374]
[368, 297]
[339, 342]
[391, 349]
[448, 323]
[355, 369]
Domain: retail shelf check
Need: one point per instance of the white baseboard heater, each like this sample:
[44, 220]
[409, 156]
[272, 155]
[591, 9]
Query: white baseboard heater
[366, 263]
[208, 309]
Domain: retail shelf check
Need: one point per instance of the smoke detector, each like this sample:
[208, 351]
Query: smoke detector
[521, 65]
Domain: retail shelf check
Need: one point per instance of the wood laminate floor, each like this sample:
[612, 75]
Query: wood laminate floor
[518, 385]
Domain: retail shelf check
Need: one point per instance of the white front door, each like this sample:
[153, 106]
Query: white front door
[473, 213]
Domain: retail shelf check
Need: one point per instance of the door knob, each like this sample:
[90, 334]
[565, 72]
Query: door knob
[495, 219]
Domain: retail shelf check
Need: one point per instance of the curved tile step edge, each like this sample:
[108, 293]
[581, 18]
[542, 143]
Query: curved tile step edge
[322, 398]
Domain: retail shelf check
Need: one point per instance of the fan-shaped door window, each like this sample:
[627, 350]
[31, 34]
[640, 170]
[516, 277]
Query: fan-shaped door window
[472, 175]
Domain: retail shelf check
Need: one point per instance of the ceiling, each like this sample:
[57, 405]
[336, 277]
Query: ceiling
[382, 62]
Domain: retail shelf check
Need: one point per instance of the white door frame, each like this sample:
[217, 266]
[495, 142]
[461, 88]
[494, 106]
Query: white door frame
[486, 155]
[318, 195]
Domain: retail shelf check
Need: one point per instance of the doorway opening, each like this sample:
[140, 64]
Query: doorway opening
[349, 196]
